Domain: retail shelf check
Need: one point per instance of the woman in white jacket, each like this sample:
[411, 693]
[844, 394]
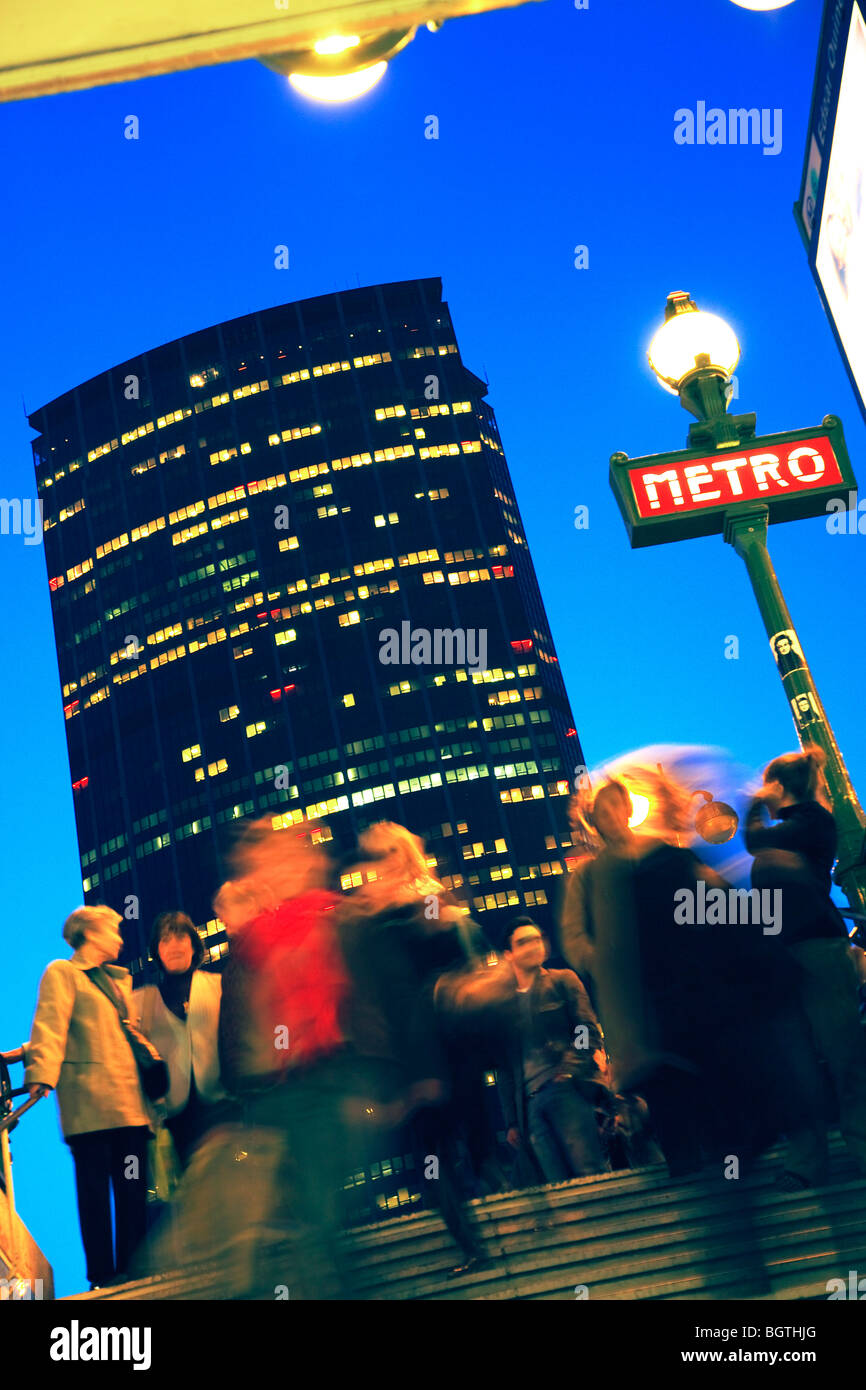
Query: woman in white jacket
[180, 1015]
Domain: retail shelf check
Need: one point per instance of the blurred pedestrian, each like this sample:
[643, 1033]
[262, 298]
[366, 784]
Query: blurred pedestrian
[795, 856]
[78, 1048]
[401, 934]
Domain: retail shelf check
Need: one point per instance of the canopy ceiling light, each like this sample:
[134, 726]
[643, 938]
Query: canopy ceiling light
[340, 67]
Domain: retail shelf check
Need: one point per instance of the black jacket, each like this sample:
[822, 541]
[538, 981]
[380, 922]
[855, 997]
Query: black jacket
[558, 1003]
[808, 831]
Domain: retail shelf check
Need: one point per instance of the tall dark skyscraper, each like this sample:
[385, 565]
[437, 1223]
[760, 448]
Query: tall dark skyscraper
[288, 576]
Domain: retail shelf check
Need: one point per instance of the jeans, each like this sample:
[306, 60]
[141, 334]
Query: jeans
[563, 1132]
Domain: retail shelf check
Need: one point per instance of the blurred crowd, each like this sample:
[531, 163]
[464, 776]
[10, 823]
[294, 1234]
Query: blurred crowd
[357, 1028]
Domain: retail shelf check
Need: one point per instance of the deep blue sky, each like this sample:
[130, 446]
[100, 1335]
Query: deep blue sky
[556, 129]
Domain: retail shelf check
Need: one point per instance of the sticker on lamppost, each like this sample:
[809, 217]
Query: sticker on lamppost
[676, 496]
[787, 651]
[805, 710]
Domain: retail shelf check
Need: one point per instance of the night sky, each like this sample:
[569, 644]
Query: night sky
[556, 129]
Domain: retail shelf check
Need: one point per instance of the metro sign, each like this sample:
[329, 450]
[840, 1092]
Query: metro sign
[670, 497]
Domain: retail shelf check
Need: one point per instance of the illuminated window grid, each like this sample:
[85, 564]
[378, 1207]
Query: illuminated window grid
[229, 518]
[215, 769]
[490, 901]
[434, 495]
[415, 557]
[513, 794]
[187, 754]
[402, 688]
[287, 436]
[174, 654]
[313, 470]
[77, 571]
[330, 807]
[391, 519]
[422, 412]
[125, 676]
[349, 619]
[217, 635]
[468, 576]
[164, 634]
[330, 368]
[186, 513]
[467, 774]
[351, 461]
[433, 577]
[138, 433]
[251, 388]
[379, 566]
[189, 533]
[535, 898]
[419, 784]
[230, 712]
[289, 543]
[101, 449]
[231, 452]
[173, 417]
[116, 543]
[69, 511]
[390, 412]
[96, 696]
[371, 359]
[400, 451]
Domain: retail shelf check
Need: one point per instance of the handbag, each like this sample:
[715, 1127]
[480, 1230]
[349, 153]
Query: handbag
[163, 1168]
[152, 1070]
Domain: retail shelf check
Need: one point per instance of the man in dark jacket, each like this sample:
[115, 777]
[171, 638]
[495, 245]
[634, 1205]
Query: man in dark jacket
[551, 1078]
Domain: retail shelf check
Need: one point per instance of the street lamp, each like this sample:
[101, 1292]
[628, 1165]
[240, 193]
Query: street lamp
[340, 67]
[693, 355]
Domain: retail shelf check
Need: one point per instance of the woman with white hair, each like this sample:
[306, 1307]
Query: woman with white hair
[78, 1048]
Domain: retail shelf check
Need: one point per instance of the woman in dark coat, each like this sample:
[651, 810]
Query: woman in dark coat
[796, 856]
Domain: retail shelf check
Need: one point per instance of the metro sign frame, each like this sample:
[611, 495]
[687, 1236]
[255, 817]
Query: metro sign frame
[774, 470]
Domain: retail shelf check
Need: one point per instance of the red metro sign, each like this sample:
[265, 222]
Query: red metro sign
[668, 497]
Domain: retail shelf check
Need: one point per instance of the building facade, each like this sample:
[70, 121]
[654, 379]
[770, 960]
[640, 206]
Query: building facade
[289, 577]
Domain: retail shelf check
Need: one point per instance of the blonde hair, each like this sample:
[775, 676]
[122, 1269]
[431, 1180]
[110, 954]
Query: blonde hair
[80, 923]
[671, 804]
[401, 874]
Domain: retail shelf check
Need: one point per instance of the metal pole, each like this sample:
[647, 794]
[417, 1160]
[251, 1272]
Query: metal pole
[746, 531]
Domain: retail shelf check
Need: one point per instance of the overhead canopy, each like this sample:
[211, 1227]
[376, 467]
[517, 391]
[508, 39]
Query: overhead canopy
[50, 46]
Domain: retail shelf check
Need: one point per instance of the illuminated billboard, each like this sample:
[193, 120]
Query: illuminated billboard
[674, 497]
[831, 211]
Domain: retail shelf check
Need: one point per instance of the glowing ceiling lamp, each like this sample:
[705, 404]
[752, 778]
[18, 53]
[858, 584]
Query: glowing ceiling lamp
[762, 4]
[336, 89]
[340, 67]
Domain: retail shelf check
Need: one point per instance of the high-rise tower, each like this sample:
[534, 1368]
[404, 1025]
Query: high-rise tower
[288, 576]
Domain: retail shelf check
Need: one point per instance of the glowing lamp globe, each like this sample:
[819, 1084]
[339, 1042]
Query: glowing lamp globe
[716, 821]
[762, 4]
[691, 340]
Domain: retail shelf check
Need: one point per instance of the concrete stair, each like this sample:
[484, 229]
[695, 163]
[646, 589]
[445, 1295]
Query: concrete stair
[633, 1235]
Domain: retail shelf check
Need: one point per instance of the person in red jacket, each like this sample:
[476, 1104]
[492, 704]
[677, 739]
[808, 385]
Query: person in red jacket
[281, 1045]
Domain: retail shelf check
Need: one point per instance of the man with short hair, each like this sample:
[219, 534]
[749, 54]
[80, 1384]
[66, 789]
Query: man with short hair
[551, 1080]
